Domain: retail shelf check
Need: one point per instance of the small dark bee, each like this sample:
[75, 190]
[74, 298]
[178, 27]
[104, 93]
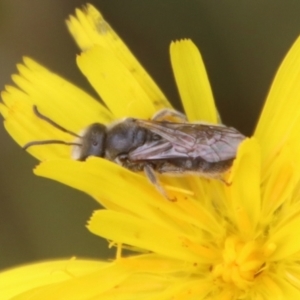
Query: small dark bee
[157, 145]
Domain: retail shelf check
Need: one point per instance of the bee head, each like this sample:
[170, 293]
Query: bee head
[91, 142]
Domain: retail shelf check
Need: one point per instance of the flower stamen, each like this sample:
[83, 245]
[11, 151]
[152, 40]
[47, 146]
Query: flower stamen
[241, 262]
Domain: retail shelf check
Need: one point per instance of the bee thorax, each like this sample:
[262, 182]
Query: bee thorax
[123, 138]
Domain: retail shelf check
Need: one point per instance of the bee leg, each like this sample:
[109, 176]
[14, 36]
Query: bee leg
[168, 113]
[153, 179]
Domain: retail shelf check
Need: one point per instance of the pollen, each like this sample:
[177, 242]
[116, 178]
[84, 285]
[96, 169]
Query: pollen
[242, 262]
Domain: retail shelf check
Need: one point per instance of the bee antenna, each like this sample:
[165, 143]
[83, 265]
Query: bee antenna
[54, 124]
[46, 142]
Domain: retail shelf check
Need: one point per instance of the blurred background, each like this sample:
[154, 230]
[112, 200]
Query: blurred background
[242, 43]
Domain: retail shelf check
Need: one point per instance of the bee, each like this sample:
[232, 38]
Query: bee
[157, 145]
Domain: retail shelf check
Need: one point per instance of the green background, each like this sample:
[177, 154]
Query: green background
[242, 43]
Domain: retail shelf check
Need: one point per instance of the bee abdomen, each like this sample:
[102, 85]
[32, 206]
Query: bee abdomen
[193, 165]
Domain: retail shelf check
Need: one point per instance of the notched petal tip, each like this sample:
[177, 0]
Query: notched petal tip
[3, 111]
[115, 83]
[89, 29]
[192, 82]
[57, 99]
[176, 42]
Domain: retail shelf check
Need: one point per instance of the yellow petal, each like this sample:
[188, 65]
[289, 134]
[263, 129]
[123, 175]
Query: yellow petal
[55, 98]
[142, 277]
[280, 118]
[123, 228]
[279, 187]
[21, 279]
[192, 82]
[292, 275]
[244, 189]
[24, 126]
[133, 195]
[192, 289]
[89, 28]
[159, 264]
[138, 286]
[115, 83]
[286, 235]
[99, 178]
[276, 287]
[58, 97]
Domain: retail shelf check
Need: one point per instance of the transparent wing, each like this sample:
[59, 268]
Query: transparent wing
[213, 143]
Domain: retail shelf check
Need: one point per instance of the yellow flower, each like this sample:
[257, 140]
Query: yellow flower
[217, 241]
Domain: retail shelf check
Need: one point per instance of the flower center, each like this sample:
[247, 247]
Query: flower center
[242, 262]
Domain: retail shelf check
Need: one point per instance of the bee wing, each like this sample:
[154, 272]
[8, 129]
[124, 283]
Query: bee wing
[213, 143]
[161, 149]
